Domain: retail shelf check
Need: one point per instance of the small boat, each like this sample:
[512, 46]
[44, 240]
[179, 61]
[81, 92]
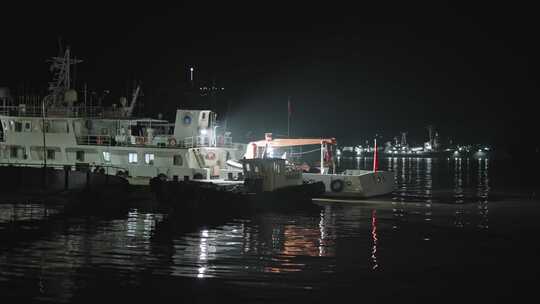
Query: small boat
[355, 183]
[271, 183]
[350, 183]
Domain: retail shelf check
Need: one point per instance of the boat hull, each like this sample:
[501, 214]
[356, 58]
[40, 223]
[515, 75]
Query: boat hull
[199, 197]
[365, 184]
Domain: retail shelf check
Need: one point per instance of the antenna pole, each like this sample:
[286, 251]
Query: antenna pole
[322, 156]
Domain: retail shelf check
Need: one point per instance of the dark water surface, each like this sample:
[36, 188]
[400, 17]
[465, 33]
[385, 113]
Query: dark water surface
[453, 231]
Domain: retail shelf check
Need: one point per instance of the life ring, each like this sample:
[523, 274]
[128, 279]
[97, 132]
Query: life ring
[172, 142]
[378, 179]
[210, 155]
[336, 185]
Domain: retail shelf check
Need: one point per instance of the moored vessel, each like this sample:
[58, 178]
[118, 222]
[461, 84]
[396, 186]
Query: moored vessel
[350, 183]
[60, 131]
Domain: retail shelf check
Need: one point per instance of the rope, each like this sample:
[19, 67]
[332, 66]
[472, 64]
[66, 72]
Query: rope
[300, 153]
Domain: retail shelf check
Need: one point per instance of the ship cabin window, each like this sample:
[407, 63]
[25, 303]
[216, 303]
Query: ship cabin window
[57, 126]
[27, 126]
[18, 126]
[107, 156]
[50, 153]
[149, 158]
[80, 156]
[177, 160]
[17, 152]
[14, 152]
[132, 158]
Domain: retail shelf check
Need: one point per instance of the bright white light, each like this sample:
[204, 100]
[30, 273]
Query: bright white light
[201, 271]
[191, 69]
[204, 233]
[204, 131]
[149, 158]
[132, 158]
[107, 156]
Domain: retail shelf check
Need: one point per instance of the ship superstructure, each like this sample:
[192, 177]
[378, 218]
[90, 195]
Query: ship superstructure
[61, 131]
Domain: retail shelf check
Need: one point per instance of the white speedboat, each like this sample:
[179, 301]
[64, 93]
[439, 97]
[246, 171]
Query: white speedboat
[354, 183]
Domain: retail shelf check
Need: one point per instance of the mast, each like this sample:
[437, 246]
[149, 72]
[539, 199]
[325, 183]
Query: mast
[61, 66]
[133, 101]
[289, 121]
[43, 132]
[322, 157]
[375, 160]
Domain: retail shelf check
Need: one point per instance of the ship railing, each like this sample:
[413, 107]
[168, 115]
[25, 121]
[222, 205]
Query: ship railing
[21, 110]
[95, 140]
[224, 141]
[74, 111]
[158, 141]
[206, 141]
[197, 141]
[64, 166]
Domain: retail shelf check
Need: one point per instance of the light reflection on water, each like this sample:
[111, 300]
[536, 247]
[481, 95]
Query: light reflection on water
[429, 180]
[286, 250]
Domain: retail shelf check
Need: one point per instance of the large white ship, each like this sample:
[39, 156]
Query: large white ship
[59, 130]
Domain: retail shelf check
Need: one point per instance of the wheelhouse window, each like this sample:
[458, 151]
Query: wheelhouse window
[27, 126]
[80, 156]
[14, 152]
[107, 156]
[149, 158]
[17, 152]
[50, 154]
[177, 160]
[18, 126]
[133, 158]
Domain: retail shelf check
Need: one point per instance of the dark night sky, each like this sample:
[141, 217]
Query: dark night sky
[351, 71]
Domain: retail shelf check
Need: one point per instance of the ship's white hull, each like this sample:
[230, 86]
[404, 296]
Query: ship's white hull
[357, 184]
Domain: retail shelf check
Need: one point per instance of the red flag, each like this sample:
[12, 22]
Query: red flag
[375, 160]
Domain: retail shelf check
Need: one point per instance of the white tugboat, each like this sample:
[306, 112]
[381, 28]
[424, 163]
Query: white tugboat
[348, 184]
[60, 131]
